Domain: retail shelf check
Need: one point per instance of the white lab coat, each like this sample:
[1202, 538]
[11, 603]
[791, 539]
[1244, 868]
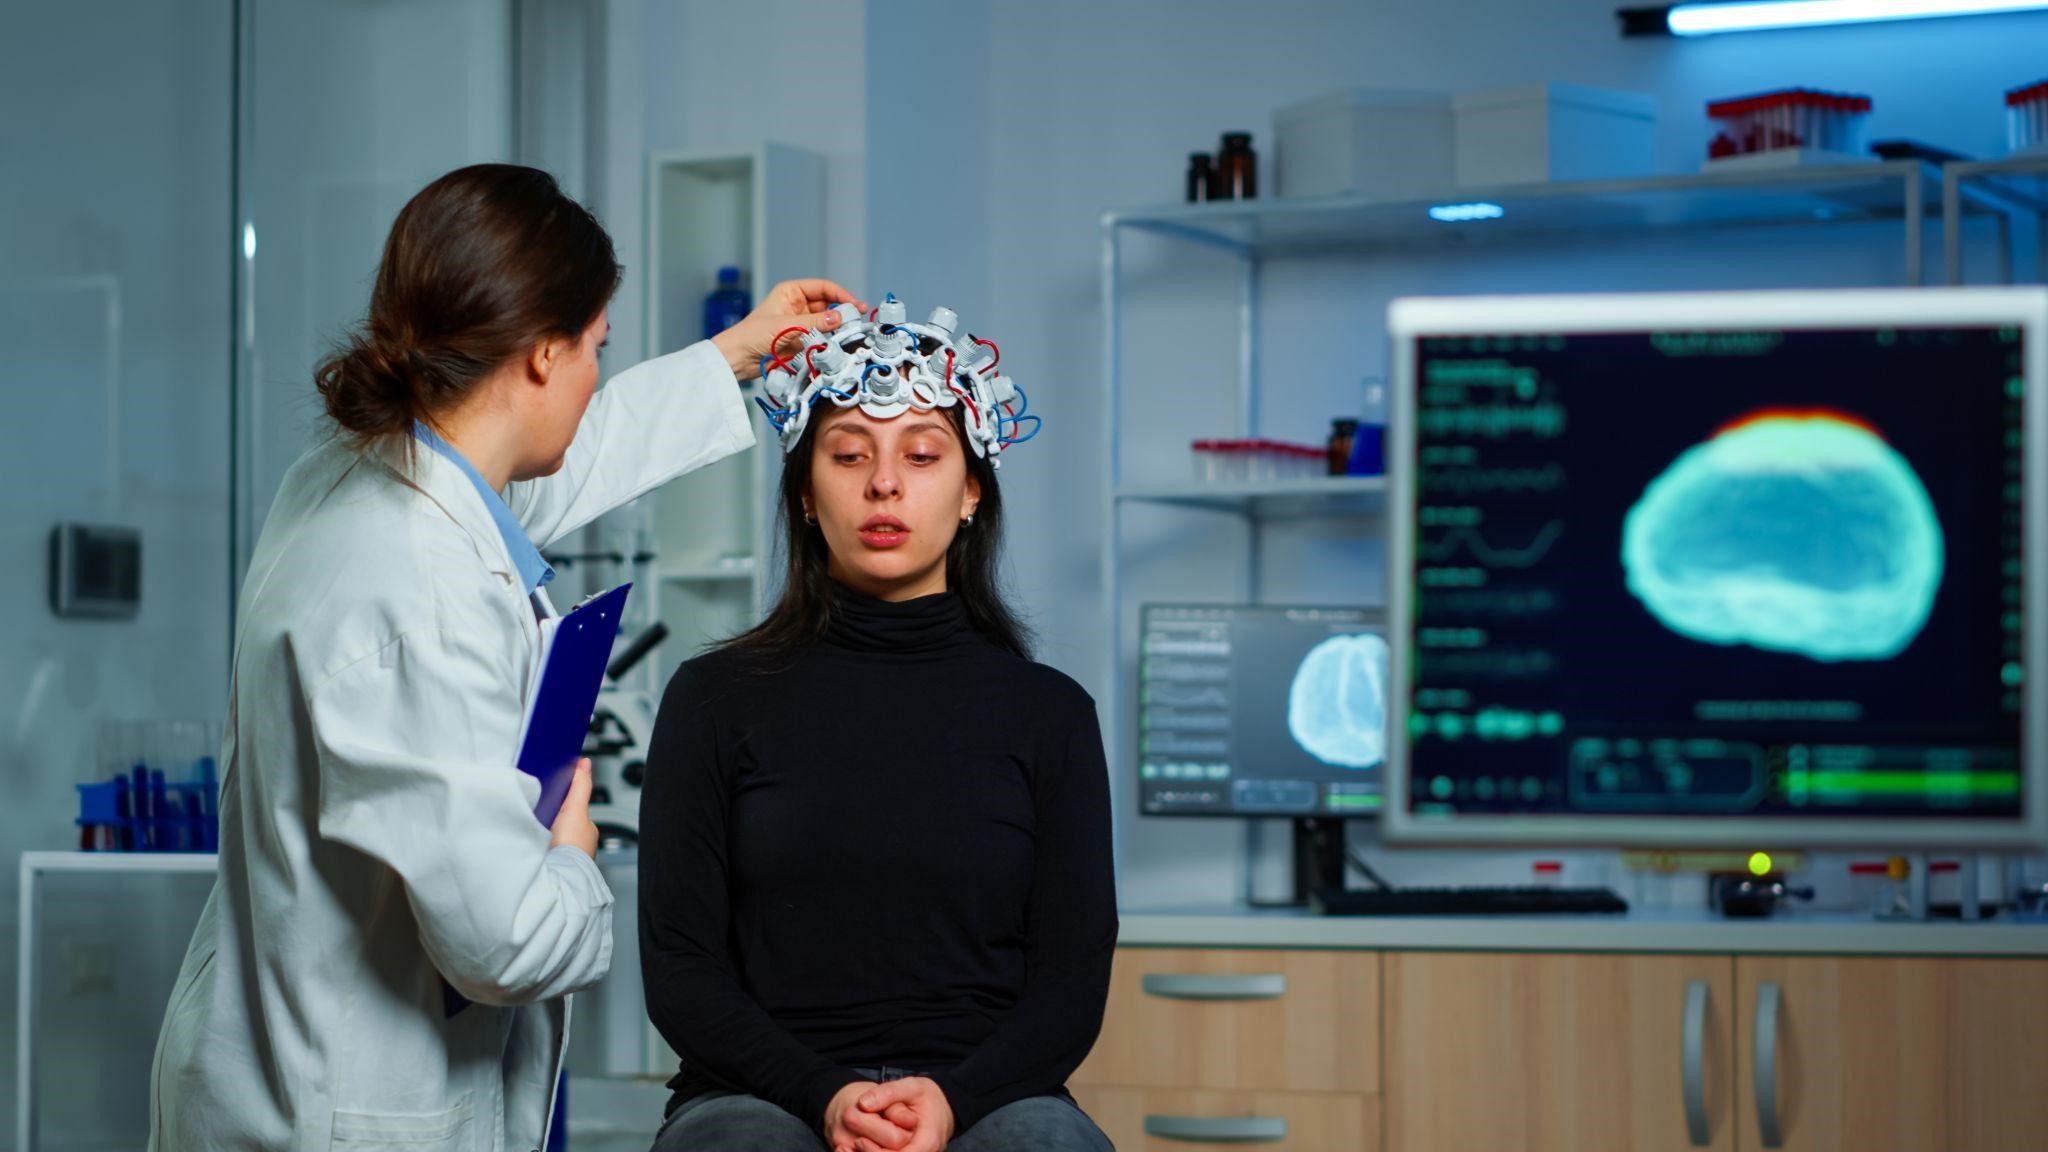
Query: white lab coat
[375, 836]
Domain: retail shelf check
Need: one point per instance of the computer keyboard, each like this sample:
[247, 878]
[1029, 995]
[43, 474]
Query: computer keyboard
[1465, 901]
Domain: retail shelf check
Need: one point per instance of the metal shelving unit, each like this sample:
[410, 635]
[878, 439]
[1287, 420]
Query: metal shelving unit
[1336, 496]
[1907, 192]
[2016, 190]
[740, 569]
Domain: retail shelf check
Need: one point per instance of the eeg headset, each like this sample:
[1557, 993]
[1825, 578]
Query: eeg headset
[887, 366]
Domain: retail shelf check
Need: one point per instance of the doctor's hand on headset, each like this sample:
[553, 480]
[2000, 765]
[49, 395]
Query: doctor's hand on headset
[799, 304]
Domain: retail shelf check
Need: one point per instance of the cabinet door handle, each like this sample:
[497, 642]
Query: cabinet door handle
[1177, 986]
[1769, 1133]
[1218, 1129]
[1693, 1058]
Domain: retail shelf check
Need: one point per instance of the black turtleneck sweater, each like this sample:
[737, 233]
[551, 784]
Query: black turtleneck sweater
[893, 849]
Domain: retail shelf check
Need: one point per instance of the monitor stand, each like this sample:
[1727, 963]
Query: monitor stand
[1318, 856]
[1312, 858]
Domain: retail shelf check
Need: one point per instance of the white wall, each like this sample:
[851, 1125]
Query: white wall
[930, 250]
[114, 250]
[1091, 106]
[725, 77]
[353, 109]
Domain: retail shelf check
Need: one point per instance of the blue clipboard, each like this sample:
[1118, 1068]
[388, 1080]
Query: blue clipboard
[576, 649]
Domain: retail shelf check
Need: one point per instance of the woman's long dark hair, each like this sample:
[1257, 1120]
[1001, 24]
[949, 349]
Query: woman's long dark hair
[803, 612]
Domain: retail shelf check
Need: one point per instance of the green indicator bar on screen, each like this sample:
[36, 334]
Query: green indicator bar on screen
[1353, 803]
[1906, 783]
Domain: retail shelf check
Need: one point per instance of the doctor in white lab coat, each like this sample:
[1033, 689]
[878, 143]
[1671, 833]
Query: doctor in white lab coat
[387, 955]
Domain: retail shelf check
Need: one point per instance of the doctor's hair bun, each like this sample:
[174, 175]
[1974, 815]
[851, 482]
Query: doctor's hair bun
[372, 387]
[480, 267]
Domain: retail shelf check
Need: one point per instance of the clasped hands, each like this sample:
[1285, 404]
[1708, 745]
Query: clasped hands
[907, 1115]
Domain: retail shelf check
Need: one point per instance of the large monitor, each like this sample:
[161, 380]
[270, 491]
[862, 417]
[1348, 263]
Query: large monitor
[1732, 569]
[1261, 710]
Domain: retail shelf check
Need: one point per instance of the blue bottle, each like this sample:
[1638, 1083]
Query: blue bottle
[727, 305]
[1369, 443]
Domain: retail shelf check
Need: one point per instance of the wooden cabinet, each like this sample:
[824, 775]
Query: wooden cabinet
[1350, 1049]
[1892, 1054]
[1207, 1046]
[1490, 1052]
[1158, 1119]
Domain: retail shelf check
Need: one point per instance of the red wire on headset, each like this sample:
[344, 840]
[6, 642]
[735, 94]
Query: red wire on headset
[972, 410]
[807, 357]
[781, 362]
[991, 345]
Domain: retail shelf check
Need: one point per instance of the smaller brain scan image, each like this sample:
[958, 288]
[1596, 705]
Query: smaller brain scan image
[1336, 708]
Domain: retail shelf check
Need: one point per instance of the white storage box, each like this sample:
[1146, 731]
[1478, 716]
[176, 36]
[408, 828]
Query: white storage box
[1545, 132]
[1375, 143]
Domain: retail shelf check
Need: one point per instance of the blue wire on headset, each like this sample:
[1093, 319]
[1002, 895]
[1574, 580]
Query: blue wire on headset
[1017, 421]
[822, 390]
[1017, 418]
[1036, 425]
[916, 341]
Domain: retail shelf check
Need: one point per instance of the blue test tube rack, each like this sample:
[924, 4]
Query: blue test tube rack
[140, 811]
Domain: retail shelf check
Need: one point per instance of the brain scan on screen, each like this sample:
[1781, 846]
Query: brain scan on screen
[1801, 532]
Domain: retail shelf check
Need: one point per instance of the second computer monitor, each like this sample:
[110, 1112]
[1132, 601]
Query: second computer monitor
[1257, 710]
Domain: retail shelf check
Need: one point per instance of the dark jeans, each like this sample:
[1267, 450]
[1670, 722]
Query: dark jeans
[728, 1121]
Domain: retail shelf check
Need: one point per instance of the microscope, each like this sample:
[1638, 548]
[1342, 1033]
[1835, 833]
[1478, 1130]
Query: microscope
[620, 728]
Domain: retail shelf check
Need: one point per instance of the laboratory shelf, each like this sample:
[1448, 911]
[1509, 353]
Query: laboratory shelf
[1332, 496]
[715, 573]
[761, 210]
[2016, 188]
[2020, 181]
[1743, 198]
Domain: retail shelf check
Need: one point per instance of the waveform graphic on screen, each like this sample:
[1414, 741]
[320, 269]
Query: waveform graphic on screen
[1336, 708]
[1789, 530]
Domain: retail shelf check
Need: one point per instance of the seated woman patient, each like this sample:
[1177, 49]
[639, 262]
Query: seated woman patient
[876, 901]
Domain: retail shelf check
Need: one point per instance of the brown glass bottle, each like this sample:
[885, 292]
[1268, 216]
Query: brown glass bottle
[1200, 173]
[1343, 433]
[1236, 176]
